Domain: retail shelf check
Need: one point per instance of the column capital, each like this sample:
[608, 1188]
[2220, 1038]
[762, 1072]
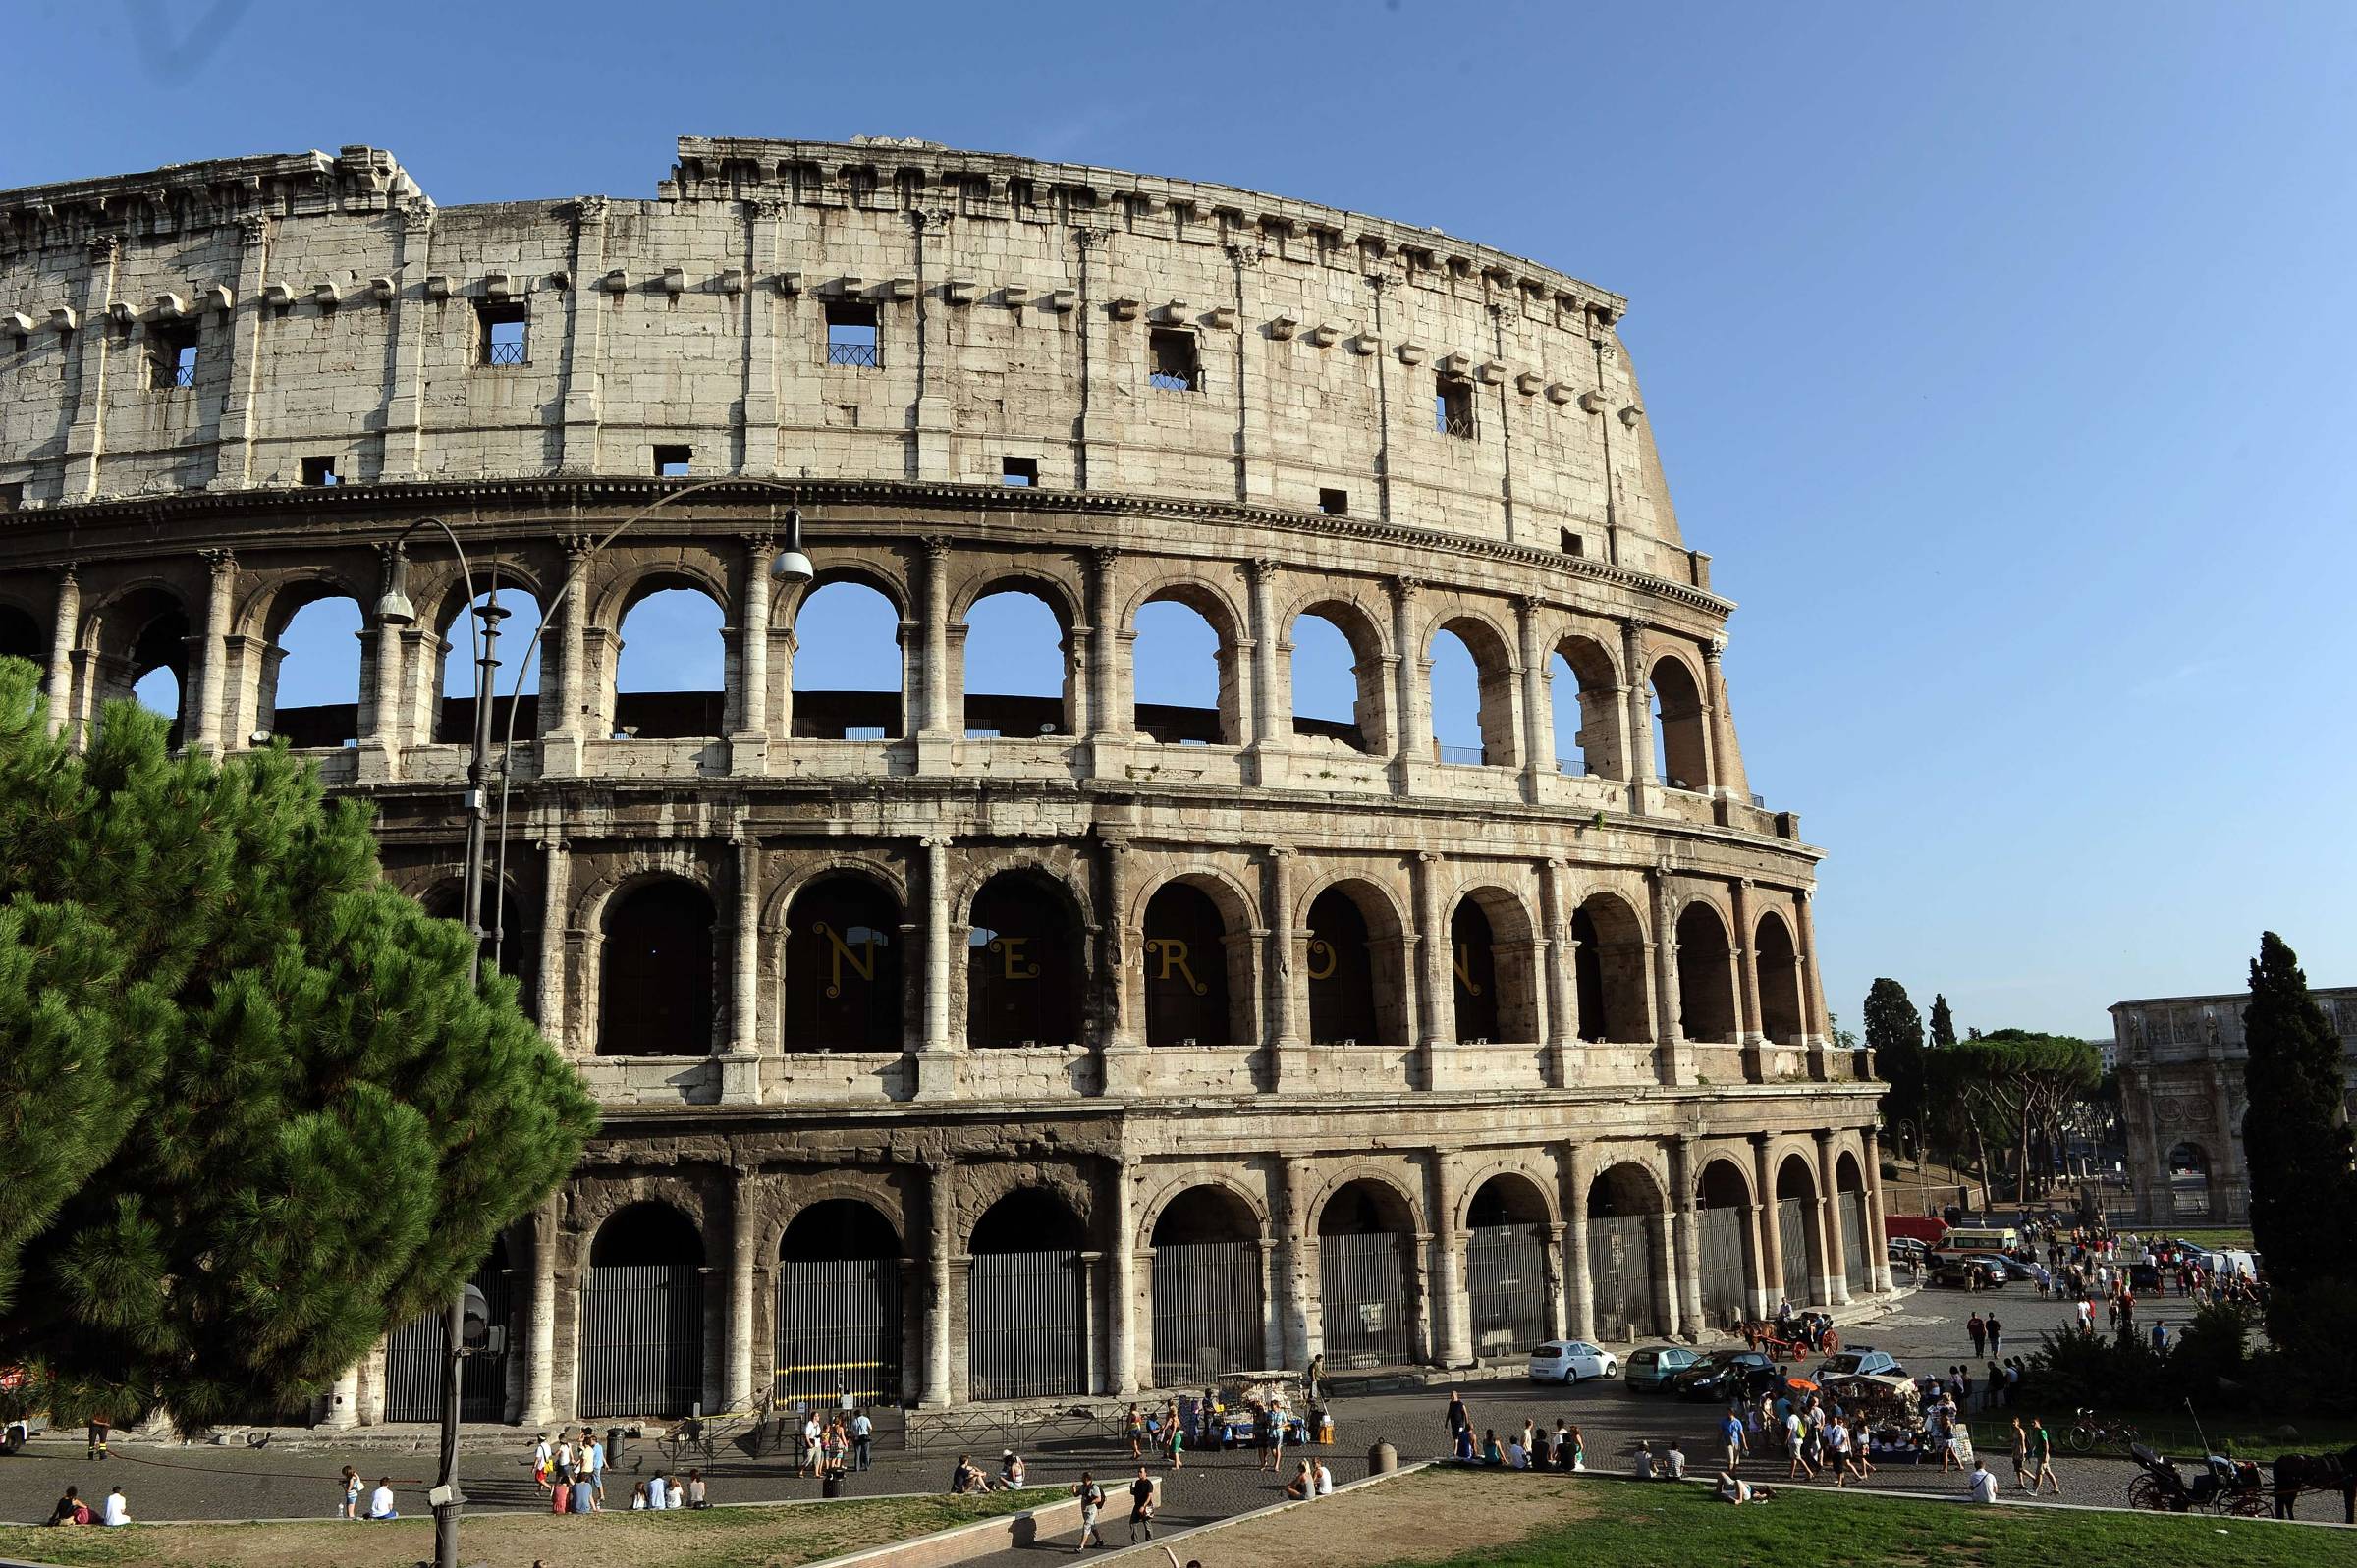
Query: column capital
[1279, 851]
[767, 207]
[69, 573]
[1102, 557]
[1263, 568]
[253, 231]
[760, 546]
[935, 841]
[221, 560]
[578, 546]
[1407, 587]
[935, 548]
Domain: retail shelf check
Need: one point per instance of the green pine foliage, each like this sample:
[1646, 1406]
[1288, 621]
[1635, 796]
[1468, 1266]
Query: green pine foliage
[253, 1113]
[2295, 1138]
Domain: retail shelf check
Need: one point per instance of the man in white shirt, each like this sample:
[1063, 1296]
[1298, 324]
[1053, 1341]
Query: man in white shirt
[380, 1502]
[1517, 1457]
[1982, 1481]
[863, 1437]
[657, 1490]
[118, 1509]
[1677, 1458]
[1325, 1478]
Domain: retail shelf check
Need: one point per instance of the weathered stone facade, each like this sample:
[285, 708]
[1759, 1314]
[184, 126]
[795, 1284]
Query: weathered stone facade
[2182, 1093]
[1482, 1003]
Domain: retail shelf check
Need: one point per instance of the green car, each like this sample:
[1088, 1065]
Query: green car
[1649, 1368]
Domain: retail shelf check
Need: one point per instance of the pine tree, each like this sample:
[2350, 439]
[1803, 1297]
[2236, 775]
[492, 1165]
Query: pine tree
[1894, 1034]
[1944, 1023]
[2295, 1133]
[253, 1113]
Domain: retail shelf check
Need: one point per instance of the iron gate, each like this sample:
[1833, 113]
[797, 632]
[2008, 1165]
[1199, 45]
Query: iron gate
[1506, 1281]
[839, 1330]
[1207, 1314]
[1721, 1234]
[1620, 1276]
[1793, 1228]
[1855, 1264]
[413, 1361]
[1025, 1333]
[1362, 1293]
[642, 1339]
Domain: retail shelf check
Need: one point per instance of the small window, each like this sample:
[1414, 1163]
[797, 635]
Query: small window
[1573, 544]
[670, 462]
[317, 471]
[172, 355]
[1453, 407]
[12, 496]
[1174, 366]
[852, 334]
[1020, 472]
[1334, 502]
[505, 332]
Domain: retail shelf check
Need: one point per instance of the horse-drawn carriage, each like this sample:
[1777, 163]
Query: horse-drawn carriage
[2222, 1486]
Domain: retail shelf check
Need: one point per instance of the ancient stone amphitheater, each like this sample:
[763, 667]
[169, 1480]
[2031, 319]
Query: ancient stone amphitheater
[958, 1046]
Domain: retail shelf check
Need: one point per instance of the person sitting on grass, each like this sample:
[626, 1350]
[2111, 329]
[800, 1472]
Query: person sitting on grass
[966, 1478]
[1981, 1484]
[696, 1490]
[1303, 1485]
[69, 1509]
[1491, 1453]
[380, 1502]
[1674, 1463]
[1465, 1452]
[1011, 1471]
[1644, 1465]
[639, 1498]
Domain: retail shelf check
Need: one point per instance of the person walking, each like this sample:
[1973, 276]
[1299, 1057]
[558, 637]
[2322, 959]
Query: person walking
[1997, 1335]
[1730, 1435]
[2042, 1460]
[543, 1456]
[864, 1440]
[1142, 1506]
[813, 1436]
[1092, 1499]
[1136, 1425]
[1175, 1441]
[1315, 1378]
[1457, 1419]
[1797, 1441]
[1979, 1332]
[2021, 1455]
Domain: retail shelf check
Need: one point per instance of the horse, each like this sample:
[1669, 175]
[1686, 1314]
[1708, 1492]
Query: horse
[2298, 1473]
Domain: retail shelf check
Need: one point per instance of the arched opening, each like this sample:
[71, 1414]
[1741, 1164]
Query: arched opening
[1026, 975]
[839, 1317]
[1026, 1309]
[1472, 696]
[1490, 957]
[1723, 1227]
[1849, 1199]
[2189, 1179]
[843, 986]
[1626, 1280]
[314, 661]
[1778, 967]
[1583, 689]
[655, 979]
[415, 1353]
[518, 613]
[1706, 976]
[1341, 967]
[447, 901]
[1608, 963]
[22, 638]
[1507, 1281]
[141, 644]
[1337, 678]
[1366, 1287]
[671, 665]
[1016, 642]
[1678, 726]
[1475, 964]
[642, 1315]
[1185, 672]
[1798, 1242]
[1207, 1299]
[848, 665]
[1185, 956]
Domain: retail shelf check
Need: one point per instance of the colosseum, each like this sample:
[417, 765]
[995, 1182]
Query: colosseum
[962, 1046]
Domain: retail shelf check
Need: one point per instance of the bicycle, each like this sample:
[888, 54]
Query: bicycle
[2089, 1432]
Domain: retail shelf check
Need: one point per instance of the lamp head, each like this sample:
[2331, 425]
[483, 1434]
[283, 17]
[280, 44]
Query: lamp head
[791, 566]
[393, 607]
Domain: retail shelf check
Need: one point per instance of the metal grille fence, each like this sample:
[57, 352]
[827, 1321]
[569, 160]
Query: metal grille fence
[414, 1361]
[1721, 1232]
[1620, 1276]
[1207, 1312]
[504, 351]
[1792, 1228]
[1856, 1264]
[839, 1330]
[642, 1339]
[862, 355]
[1362, 1291]
[1026, 1325]
[1505, 1280]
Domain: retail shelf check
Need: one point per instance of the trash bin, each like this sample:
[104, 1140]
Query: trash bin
[1381, 1459]
[832, 1486]
[613, 1446]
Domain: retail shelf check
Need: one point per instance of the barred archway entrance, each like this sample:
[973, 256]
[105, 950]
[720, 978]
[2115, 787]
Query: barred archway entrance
[413, 1354]
[1207, 1294]
[1026, 1323]
[1849, 1200]
[1623, 1209]
[1507, 1283]
[1798, 1239]
[838, 1323]
[1722, 1226]
[642, 1316]
[1364, 1233]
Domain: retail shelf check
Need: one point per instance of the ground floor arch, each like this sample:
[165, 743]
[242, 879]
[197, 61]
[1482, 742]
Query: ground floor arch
[1800, 1241]
[1368, 1290]
[840, 1325]
[1724, 1251]
[1028, 1297]
[1510, 1285]
[415, 1353]
[642, 1315]
[1628, 1264]
[1208, 1288]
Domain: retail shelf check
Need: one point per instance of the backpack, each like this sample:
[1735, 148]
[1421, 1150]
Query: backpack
[1094, 1498]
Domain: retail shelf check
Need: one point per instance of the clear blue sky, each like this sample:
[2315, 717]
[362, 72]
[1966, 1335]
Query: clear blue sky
[2002, 356]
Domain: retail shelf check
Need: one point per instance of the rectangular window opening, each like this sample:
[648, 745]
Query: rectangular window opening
[670, 462]
[1334, 502]
[852, 334]
[12, 496]
[1573, 544]
[172, 355]
[1173, 362]
[318, 472]
[1453, 407]
[1018, 472]
[505, 331]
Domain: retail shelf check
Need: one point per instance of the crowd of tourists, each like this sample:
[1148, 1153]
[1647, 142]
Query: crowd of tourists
[112, 1509]
[1530, 1447]
[573, 1475]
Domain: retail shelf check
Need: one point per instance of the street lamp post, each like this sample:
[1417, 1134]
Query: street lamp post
[394, 608]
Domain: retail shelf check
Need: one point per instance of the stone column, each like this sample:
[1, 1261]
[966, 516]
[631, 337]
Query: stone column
[749, 749]
[567, 730]
[1452, 1307]
[1829, 1208]
[736, 1378]
[1665, 1284]
[233, 440]
[1727, 762]
[1771, 1234]
[940, 1179]
[1668, 1012]
[1689, 1237]
[86, 436]
[1561, 958]
[764, 217]
[1813, 1019]
[1878, 1251]
[1538, 714]
[1579, 1288]
[1412, 736]
[555, 914]
[744, 975]
[1121, 1033]
[1558, 1306]
[1107, 724]
[1272, 727]
[1305, 1325]
[938, 723]
[1120, 1275]
[540, 1326]
[1272, 1312]
[1750, 1027]
[1284, 1000]
[62, 637]
[1436, 978]
[933, 1065]
[214, 693]
[1639, 748]
[584, 339]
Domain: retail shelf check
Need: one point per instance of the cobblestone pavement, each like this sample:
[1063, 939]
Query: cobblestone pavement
[171, 1482]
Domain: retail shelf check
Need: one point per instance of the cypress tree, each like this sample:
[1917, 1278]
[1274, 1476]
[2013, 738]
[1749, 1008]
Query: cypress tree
[2295, 1133]
[253, 1113]
[1894, 1034]
[1944, 1023]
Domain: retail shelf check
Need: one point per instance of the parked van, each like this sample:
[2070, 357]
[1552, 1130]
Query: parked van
[1985, 1238]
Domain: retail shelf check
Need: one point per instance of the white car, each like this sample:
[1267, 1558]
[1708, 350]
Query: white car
[1570, 1359]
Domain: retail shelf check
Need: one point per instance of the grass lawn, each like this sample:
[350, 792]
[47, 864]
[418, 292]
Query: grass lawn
[714, 1538]
[2240, 1239]
[2240, 1433]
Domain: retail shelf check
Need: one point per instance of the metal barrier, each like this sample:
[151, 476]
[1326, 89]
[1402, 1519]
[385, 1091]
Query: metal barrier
[1506, 1285]
[414, 1355]
[1723, 1233]
[839, 1330]
[1620, 1276]
[1362, 1290]
[1207, 1310]
[642, 1339]
[1024, 1330]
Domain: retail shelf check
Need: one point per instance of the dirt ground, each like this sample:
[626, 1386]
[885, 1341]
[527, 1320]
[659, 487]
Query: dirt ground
[1419, 1518]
